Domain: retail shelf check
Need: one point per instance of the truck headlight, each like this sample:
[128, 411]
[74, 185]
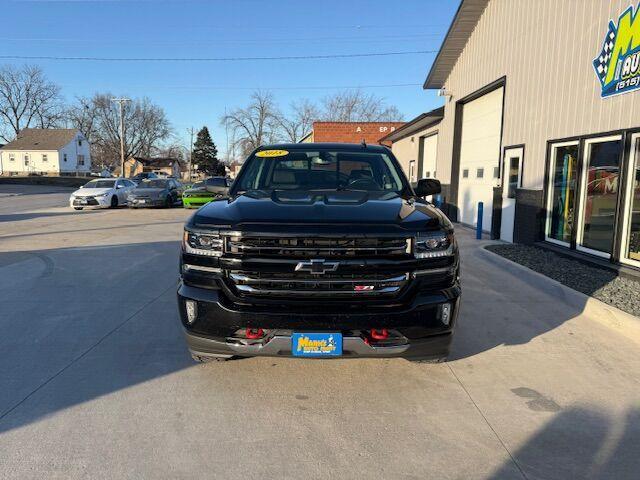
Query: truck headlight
[433, 244]
[202, 244]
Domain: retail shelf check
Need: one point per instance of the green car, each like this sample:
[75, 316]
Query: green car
[203, 192]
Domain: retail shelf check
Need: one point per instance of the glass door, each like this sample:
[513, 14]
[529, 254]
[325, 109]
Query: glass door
[561, 193]
[599, 195]
[511, 181]
[631, 237]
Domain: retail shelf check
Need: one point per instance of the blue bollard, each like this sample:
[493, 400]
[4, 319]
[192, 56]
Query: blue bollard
[479, 224]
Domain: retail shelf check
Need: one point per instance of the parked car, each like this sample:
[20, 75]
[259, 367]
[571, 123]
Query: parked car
[102, 193]
[157, 192]
[203, 192]
[143, 176]
[320, 250]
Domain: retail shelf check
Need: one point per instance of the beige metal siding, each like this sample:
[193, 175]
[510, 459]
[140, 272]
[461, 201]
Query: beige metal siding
[545, 49]
[408, 148]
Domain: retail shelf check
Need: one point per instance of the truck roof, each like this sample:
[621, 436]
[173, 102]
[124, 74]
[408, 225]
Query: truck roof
[350, 147]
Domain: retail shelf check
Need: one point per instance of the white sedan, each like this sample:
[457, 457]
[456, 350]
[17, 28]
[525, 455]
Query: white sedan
[102, 193]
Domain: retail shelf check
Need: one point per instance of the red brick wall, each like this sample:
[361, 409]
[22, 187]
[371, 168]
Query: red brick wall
[353, 132]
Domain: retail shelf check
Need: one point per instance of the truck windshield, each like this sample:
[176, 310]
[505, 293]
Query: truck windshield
[320, 170]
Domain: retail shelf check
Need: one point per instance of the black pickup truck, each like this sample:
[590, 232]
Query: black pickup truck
[320, 250]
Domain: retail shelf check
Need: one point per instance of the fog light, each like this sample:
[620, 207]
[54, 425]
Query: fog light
[192, 310]
[445, 313]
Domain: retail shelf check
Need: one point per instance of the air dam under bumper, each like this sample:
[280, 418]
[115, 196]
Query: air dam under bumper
[425, 336]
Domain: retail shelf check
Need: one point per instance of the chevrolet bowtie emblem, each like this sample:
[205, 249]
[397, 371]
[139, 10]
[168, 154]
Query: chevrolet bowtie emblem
[317, 266]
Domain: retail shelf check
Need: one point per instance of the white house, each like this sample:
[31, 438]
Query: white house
[50, 151]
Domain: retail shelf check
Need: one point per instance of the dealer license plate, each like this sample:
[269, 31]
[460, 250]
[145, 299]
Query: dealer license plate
[316, 344]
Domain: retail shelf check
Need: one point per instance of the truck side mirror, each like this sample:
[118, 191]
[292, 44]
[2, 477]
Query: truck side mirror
[427, 186]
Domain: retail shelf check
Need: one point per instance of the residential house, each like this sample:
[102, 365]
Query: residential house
[49, 151]
[160, 165]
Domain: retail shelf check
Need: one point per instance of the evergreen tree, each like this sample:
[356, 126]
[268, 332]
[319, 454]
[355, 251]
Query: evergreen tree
[205, 155]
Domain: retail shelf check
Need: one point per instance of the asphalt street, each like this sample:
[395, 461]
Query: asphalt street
[96, 381]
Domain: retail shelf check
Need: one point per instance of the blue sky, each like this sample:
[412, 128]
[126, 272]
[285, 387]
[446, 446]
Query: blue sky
[198, 93]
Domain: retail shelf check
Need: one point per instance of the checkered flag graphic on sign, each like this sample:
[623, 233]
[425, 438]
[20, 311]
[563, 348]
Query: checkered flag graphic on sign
[602, 62]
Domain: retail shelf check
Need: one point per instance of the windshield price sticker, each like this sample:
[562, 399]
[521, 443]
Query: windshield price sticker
[272, 153]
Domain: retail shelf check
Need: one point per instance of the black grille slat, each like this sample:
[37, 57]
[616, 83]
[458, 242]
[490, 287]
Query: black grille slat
[285, 279]
[324, 247]
[261, 283]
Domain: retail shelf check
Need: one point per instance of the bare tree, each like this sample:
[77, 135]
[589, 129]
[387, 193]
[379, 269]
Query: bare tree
[254, 125]
[27, 99]
[357, 106]
[146, 127]
[83, 116]
[300, 121]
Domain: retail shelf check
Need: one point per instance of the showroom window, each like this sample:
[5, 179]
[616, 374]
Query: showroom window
[599, 198]
[593, 196]
[561, 192]
[631, 236]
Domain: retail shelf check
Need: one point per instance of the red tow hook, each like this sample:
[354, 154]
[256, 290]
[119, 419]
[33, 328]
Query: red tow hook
[381, 334]
[254, 333]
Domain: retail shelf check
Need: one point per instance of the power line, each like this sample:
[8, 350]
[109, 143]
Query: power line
[218, 41]
[268, 88]
[214, 59]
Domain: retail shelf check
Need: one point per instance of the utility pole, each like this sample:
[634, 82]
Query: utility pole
[190, 130]
[121, 102]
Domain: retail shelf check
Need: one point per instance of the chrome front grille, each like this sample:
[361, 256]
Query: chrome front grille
[334, 285]
[317, 247]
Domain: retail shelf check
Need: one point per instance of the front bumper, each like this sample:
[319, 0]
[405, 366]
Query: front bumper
[145, 202]
[195, 202]
[421, 333]
[90, 202]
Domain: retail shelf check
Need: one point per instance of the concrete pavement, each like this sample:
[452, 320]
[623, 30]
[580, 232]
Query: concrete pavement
[96, 382]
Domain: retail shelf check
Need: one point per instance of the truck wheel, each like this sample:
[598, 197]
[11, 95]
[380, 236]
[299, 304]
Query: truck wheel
[202, 359]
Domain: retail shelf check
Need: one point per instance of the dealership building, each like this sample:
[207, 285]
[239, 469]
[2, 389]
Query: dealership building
[540, 124]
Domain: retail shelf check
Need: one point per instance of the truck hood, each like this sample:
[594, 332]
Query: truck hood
[258, 210]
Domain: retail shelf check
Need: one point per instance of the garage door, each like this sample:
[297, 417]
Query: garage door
[429, 152]
[479, 156]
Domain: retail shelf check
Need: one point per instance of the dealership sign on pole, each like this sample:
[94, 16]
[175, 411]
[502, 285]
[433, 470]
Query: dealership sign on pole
[618, 65]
